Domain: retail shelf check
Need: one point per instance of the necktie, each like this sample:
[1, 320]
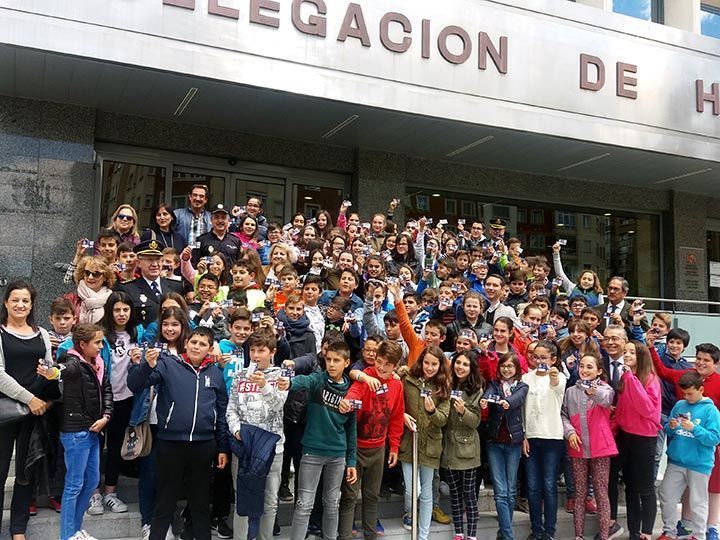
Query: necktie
[616, 373]
[155, 289]
[613, 309]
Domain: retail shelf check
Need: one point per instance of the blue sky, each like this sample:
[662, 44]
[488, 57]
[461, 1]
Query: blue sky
[641, 9]
[710, 24]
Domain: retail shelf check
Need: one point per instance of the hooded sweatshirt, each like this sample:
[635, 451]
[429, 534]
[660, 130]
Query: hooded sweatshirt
[328, 432]
[695, 449]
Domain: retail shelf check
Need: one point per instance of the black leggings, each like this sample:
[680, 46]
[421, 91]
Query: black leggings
[115, 435]
[636, 461]
[16, 434]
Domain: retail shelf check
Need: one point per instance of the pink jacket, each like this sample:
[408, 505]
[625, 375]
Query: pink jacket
[589, 417]
[638, 408]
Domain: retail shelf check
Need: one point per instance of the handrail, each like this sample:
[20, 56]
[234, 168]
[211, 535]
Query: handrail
[674, 300]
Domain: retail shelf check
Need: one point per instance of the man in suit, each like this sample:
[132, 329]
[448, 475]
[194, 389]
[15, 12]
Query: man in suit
[147, 290]
[616, 310]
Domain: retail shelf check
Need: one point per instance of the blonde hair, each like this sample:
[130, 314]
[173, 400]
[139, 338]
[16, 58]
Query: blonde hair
[135, 232]
[94, 264]
[665, 317]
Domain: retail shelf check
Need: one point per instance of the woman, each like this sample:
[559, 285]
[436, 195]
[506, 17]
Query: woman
[124, 222]
[22, 343]
[406, 253]
[280, 255]
[163, 230]
[247, 231]
[95, 280]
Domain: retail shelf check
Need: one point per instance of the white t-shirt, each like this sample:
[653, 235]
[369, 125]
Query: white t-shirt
[542, 406]
[120, 366]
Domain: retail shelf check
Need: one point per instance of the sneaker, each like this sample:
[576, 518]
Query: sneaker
[33, 509]
[570, 506]
[459, 537]
[146, 532]
[615, 531]
[276, 529]
[444, 489]
[665, 536]
[96, 507]
[86, 535]
[220, 525]
[170, 535]
[55, 504]
[591, 506]
[683, 530]
[115, 505]
[407, 522]
[521, 505]
[285, 495]
[712, 534]
[439, 516]
[77, 536]
[314, 530]
[355, 532]
[379, 529]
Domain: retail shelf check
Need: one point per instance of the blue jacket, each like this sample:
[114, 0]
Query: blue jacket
[184, 217]
[191, 404]
[694, 450]
[355, 301]
[255, 452]
[513, 416]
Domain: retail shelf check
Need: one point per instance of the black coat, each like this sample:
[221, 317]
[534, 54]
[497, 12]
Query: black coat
[85, 400]
[513, 416]
[145, 304]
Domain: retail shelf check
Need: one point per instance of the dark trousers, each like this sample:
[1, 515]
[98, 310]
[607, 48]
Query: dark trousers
[293, 452]
[148, 480]
[16, 435]
[114, 439]
[636, 461]
[183, 464]
[223, 493]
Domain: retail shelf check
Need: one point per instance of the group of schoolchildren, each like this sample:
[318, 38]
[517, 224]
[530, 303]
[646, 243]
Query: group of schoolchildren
[494, 380]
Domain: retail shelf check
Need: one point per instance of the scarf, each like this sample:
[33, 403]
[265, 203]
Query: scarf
[294, 329]
[507, 388]
[91, 307]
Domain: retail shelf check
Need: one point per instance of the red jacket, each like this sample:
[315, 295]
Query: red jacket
[711, 383]
[382, 415]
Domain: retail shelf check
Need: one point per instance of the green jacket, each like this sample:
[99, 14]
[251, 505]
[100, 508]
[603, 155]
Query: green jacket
[429, 426]
[462, 442]
[328, 432]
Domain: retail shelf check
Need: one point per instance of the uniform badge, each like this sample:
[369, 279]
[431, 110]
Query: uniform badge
[143, 298]
[153, 244]
[210, 249]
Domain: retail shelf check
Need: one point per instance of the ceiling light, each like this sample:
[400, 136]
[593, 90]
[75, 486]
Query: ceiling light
[584, 162]
[435, 194]
[308, 198]
[631, 232]
[560, 224]
[185, 102]
[469, 146]
[686, 175]
[607, 214]
[342, 125]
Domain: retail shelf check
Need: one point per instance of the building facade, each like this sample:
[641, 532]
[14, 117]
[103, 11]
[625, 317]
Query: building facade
[597, 121]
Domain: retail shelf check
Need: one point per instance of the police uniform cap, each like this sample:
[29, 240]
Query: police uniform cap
[148, 248]
[498, 223]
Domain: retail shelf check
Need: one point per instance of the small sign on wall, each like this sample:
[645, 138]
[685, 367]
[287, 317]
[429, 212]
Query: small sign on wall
[691, 269]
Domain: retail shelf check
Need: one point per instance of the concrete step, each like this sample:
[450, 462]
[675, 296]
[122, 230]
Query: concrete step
[127, 491]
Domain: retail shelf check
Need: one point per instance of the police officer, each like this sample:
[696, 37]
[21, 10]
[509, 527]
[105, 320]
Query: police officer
[147, 290]
[218, 239]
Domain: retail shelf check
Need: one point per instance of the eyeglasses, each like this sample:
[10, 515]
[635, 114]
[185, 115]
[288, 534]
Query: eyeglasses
[543, 358]
[254, 205]
[370, 351]
[507, 367]
[125, 217]
[96, 275]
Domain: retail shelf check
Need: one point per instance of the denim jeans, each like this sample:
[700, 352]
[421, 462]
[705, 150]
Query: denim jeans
[504, 461]
[146, 481]
[542, 470]
[425, 478]
[333, 472]
[241, 524]
[82, 461]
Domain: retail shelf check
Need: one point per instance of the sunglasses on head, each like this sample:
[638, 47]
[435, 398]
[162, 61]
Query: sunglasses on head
[89, 273]
[125, 217]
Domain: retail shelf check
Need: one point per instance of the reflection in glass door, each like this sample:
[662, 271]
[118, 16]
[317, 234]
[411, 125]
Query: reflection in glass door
[142, 186]
[271, 192]
[309, 200]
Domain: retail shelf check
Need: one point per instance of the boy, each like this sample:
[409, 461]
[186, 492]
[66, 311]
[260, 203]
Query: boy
[558, 319]
[518, 290]
[255, 400]
[192, 430]
[244, 279]
[62, 320]
[429, 299]
[233, 350]
[170, 263]
[369, 353]
[693, 432]
[125, 265]
[418, 317]
[380, 417]
[206, 313]
[329, 442]
[289, 282]
[311, 291]
[297, 327]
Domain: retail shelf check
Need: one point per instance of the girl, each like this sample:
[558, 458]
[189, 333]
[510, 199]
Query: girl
[543, 444]
[87, 408]
[461, 443]
[637, 416]
[427, 406]
[174, 329]
[323, 224]
[247, 232]
[218, 267]
[574, 346]
[505, 396]
[586, 422]
[502, 331]
[122, 335]
[588, 286]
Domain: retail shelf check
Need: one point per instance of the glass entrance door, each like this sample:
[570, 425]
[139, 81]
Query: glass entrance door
[270, 190]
